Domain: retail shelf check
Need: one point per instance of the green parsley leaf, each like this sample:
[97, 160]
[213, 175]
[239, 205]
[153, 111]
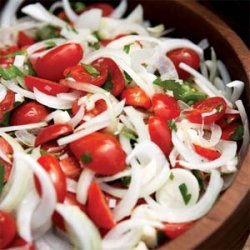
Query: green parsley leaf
[130, 134]
[86, 157]
[11, 72]
[91, 70]
[95, 46]
[19, 52]
[238, 134]
[184, 192]
[2, 171]
[200, 178]
[126, 180]
[69, 74]
[50, 44]
[219, 108]
[171, 176]
[43, 152]
[126, 48]
[78, 7]
[28, 69]
[172, 125]
[127, 77]
[47, 32]
[71, 28]
[108, 85]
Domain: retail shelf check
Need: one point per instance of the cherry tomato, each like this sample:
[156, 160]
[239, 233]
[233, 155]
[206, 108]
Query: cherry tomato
[8, 229]
[107, 9]
[80, 74]
[173, 230]
[53, 148]
[52, 65]
[100, 152]
[52, 132]
[217, 104]
[7, 104]
[160, 134]
[136, 97]
[71, 167]
[97, 208]
[20, 242]
[115, 82]
[165, 106]
[229, 133]
[184, 55]
[5, 61]
[29, 112]
[45, 86]
[228, 119]
[51, 164]
[24, 40]
[208, 153]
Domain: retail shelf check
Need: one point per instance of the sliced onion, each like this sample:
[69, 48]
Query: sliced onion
[15, 88]
[75, 120]
[116, 192]
[69, 12]
[120, 10]
[25, 137]
[4, 156]
[83, 184]
[76, 221]
[13, 143]
[136, 16]
[55, 6]
[117, 176]
[204, 44]
[223, 72]
[19, 61]
[51, 101]
[71, 185]
[238, 89]
[125, 143]
[3, 92]
[23, 127]
[90, 19]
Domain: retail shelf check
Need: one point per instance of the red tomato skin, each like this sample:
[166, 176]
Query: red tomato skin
[228, 119]
[29, 112]
[117, 78]
[52, 65]
[97, 208]
[205, 106]
[165, 106]
[52, 132]
[24, 40]
[5, 62]
[136, 97]
[19, 242]
[107, 9]
[45, 86]
[107, 155]
[173, 230]
[7, 104]
[80, 74]
[8, 229]
[187, 56]
[160, 134]
[228, 131]
[208, 153]
[51, 164]
[53, 148]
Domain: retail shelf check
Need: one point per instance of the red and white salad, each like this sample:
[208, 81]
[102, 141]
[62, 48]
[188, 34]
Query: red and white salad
[113, 134]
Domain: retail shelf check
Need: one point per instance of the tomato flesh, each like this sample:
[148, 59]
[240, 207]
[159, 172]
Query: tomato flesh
[7, 104]
[173, 230]
[100, 152]
[24, 40]
[165, 106]
[8, 229]
[228, 119]
[52, 65]
[187, 56]
[208, 153]
[160, 134]
[97, 208]
[216, 104]
[229, 131]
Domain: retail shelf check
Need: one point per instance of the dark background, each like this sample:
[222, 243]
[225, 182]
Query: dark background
[236, 13]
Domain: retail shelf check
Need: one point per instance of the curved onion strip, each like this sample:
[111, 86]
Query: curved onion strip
[15, 88]
[173, 157]
[125, 143]
[124, 173]
[128, 202]
[3, 92]
[69, 12]
[4, 156]
[228, 151]
[71, 185]
[237, 91]
[136, 16]
[114, 191]
[223, 72]
[75, 120]
[55, 6]
[23, 127]
[120, 10]
[25, 137]
[51, 101]
[47, 202]
[90, 20]
[83, 184]
[193, 212]
[13, 143]
[76, 221]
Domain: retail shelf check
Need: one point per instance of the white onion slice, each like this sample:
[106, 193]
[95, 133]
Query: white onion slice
[85, 179]
[75, 120]
[124, 173]
[238, 87]
[19, 60]
[90, 20]
[76, 221]
[4, 156]
[3, 92]
[55, 6]
[125, 143]
[71, 185]
[25, 137]
[136, 16]
[69, 12]
[15, 88]
[223, 72]
[23, 127]
[120, 10]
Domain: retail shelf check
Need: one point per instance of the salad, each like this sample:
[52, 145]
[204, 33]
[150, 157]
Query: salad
[113, 135]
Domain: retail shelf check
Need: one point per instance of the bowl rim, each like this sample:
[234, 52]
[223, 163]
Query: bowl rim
[210, 223]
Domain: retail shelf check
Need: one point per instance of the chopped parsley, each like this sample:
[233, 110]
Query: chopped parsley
[126, 180]
[200, 179]
[19, 52]
[130, 134]
[172, 125]
[108, 85]
[50, 44]
[219, 108]
[47, 32]
[43, 152]
[78, 7]
[95, 46]
[127, 77]
[86, 157]
[2, 171]
[11, 72]
[126, 48]
[238, 134]
[171, 176]
[91, 70]
[184, 192]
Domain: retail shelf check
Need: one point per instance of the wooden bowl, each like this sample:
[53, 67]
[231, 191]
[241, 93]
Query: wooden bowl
[226, 226]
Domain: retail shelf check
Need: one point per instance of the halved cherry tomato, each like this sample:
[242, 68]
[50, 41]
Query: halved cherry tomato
[52, 132]
[71, 167]
[8, 229]
[51, 164]
[7, 104]
[217, 104]
[230, 131]
[165, 106]
[80, 74]
[160, 134]
[97, 208]
[24, 40]
[20, 242]
[53, 148]
[187, 56]
[52, 65]
[208, 153]
[173, 230]
[4, 61]
[45, 86]
[228, 119]
[100, 152]
[106, 9]
[115, 82]
[135, 96]
[70, 199]
[29, 112]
